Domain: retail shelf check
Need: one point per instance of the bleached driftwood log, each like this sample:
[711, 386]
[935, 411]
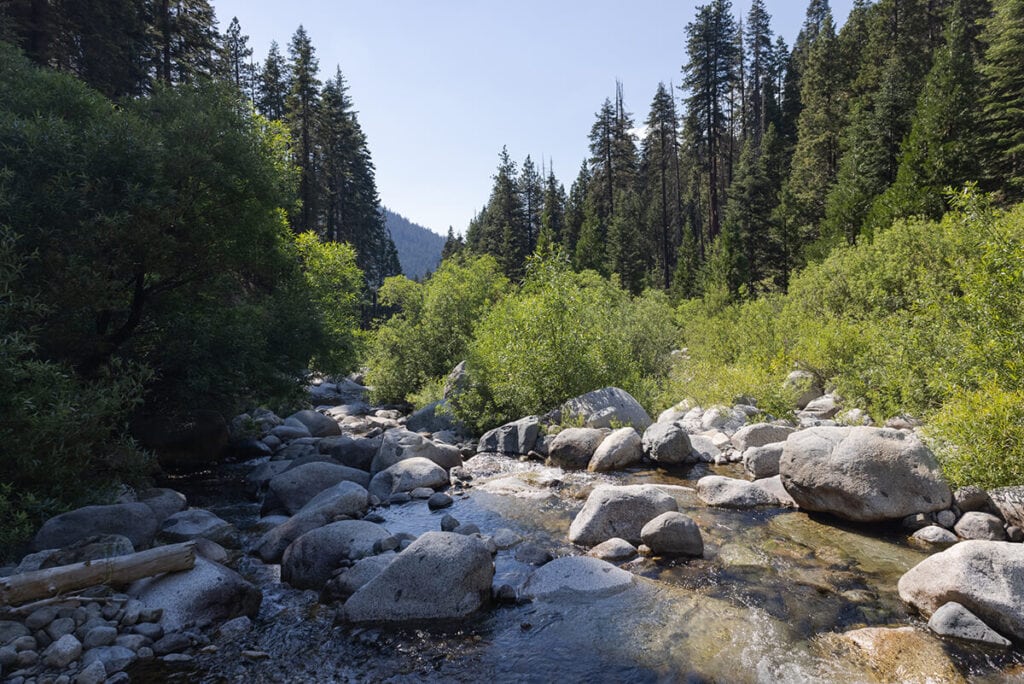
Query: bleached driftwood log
[28, 586]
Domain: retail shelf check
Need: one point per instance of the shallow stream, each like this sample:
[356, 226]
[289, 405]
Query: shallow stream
[760, 606]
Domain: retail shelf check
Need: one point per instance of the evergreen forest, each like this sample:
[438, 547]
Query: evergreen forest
[188, 229]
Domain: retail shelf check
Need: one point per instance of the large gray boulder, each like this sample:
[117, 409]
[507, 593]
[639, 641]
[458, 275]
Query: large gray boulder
[668, 444]
[440, 576]
[407, 475]
[608, 407]
[517, 438]
[978, 525]
[986, 577]
[621, 449]
[863, 474]
[577, 578]
[136, 521]
[343, 499]
[401, 444]
[728, 492]
[354, 452]
[317, 423]
[763, 461]
[207, 594]
[294, 488]
[618, 512]
[312, 558]
[759, 435]
[574, 447]
[163, 501]
[673, 534]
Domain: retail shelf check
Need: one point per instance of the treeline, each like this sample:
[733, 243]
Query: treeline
[129, 49]
[779, 154]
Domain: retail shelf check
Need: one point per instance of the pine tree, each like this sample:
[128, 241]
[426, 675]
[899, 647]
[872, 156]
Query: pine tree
[453, 244]
[659, 169]
[532, 200]
[625, 253]
[302, 104]
[234, 58]
[761, 81]
[185, 40]
[941, 148]
[1003, 98]
[500, 228]
[272, 85]
[552, 218]
[708, 76]
[816, 156]
[575, 208]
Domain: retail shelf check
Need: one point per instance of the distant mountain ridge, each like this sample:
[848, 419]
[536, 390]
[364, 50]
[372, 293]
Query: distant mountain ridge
[419, 248]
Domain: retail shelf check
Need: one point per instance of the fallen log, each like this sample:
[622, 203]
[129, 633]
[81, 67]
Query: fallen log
[28, 586]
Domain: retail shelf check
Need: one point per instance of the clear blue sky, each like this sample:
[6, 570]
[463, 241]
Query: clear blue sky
[441, 85]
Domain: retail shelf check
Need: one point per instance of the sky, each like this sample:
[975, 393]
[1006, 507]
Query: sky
[441, 85]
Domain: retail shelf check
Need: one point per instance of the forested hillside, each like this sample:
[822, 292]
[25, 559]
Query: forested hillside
[419, 248]
[778, 153]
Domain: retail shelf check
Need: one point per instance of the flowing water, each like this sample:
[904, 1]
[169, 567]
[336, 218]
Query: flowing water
[762, 605]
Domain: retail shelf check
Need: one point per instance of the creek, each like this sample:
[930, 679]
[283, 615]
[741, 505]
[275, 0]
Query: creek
[773, 587]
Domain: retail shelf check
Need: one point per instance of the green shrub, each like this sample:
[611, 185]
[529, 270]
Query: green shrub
[560, 335]
[430, 334]
[978, 437]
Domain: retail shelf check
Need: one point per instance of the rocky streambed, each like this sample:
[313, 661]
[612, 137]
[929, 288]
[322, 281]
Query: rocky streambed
[336, 521]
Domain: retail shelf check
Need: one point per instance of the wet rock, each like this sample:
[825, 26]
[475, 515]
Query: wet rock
[759, 435]
[440, 576]
[207, 594]
[532, 554]
[862, 474]
[62, 652]
[672, 534]
[613, 550]
[576, 578]
[763, 461]
[512, 439]
[903, 654]
[986, 577]
[620, 449]
[195, 523]
[467, 529]
[668, 444]
[295, 488]
[574, 447]
[449, 523]
[978, 525]
[135, 521]
[935, 535]
[421, 493]
[618, 512]
[317, 423]
[401, 444]
[407, 475]
[163, 502]
[438, 501]
[953, 620]
[601, 408]
[728, 492]
[312, 558]
[505, 538]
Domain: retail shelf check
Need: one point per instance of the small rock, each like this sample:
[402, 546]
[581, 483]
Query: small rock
[971, 498]
[422, 493]
[668, 443]
[172, 643]
[532, 554]
[133, 642]
[60, 627]
[946, 518]
[505, 594]
[915, 522]
[8, 657]
[114, 658]
[95, 673]
[438, 501]
[613, 550]
[236, 628]
[449, 523]
[399, 498]
[953, 620]
[467, 529]
[505, 538]
[62, 652]
[1015, 534]
[40, 618]
[978, 525]
[933, 534]
[673, 533]
[100, 636]
[26, 659]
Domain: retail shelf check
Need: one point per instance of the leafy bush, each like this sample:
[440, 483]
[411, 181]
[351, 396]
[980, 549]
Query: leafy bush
[560, 335]
[436, 320]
